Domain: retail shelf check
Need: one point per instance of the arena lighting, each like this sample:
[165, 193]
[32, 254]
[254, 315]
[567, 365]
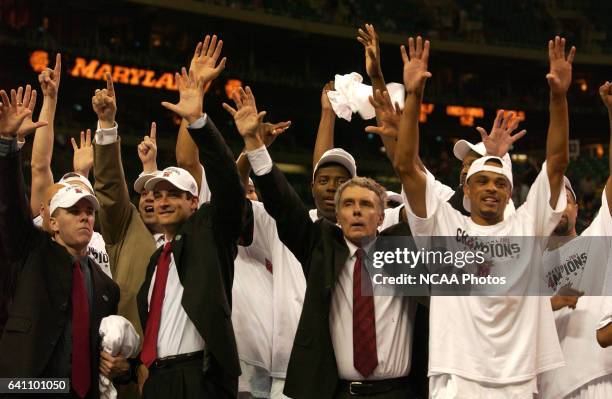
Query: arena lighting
[39, 60]
[122, 74]
[517, 113]
[520, 158]
[466, 114]
[231, 85]
[426, 109]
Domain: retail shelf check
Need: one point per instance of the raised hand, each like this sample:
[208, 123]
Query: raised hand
[28, 101]
[415, 65]
[104, 104]
[369, 38]
[499, 141]
[270, 131]
[191, 101]
[560, 75]
[13, 113]
[49, 79]
[204, 62]
[147, 150]
[605, 92]
[83, 158]
[325, 103]
[388, 114]
[248, 121]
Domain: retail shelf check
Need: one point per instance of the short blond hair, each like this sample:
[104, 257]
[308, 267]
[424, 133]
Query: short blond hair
[364, 182]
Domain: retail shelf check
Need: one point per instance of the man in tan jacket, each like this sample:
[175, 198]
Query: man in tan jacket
[130, 233]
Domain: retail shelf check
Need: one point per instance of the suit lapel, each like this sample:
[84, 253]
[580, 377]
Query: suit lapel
[177, 252]
[142, 297]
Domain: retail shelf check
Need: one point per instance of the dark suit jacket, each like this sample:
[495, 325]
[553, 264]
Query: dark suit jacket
[41, 303]
[322, 251]
[204, 250]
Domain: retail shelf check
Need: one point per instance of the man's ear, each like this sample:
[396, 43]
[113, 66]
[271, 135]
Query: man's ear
[194, 203]
[54, 225]
[466, 189]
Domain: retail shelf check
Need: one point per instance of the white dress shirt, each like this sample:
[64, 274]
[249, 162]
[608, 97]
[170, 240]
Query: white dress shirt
[177, 333]
[394, 316]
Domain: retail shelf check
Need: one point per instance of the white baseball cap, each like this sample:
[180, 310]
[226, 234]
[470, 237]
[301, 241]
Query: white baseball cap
[143, 178]
[70, 195]
[463, 147]
[568, 185]
[339, 156]
[479, 165]
[178, 177]
[74, 176]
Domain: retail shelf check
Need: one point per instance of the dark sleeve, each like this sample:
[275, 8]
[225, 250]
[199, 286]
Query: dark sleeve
[17, 232]
[227, 194]
[295, 228]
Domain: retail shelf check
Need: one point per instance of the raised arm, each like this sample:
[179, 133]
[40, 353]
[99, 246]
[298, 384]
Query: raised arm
[206, 67]
[369, 38]
[42, 147]
[270, 131]
[17, 232]
[325, 133]
[295, 228]
[406, 162]
[557, 139]
[110, 185]
[227, 194]
[605, 91]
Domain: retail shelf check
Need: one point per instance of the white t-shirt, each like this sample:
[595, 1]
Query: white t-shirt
[499, 340]
[96, 248]
[286, 291]
[581, 263]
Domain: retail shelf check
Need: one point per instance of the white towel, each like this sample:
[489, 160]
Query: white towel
[350, 95]
[118, 336]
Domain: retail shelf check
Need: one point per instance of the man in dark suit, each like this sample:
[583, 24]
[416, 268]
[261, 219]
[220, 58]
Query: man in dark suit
[61, 295]
[189, 349]
[348, 341]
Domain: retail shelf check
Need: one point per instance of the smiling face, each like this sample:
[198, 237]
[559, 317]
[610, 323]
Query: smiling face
[73, 226]
[146, 209]
[360, 211]
[326, 181]
[489, 194]
[173, 206]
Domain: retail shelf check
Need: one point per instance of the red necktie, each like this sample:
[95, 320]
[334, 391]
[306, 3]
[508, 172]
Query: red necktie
[365, 357]
[149, 347]
[81, 363]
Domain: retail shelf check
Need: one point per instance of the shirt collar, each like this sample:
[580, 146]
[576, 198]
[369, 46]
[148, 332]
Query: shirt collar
[353, 248]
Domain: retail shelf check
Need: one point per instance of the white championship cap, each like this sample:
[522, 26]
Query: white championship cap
[70, 195]
[339, 156]
[479, 165]
[74, 176]
[463, 147]
[143, 178]
[178, 177]
[568, 185]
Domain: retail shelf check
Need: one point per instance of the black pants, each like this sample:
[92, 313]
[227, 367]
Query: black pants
[184, 381]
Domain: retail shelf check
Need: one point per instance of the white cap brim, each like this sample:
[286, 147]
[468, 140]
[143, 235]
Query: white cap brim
[139, 184]
[61, 199]
[463, 147]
